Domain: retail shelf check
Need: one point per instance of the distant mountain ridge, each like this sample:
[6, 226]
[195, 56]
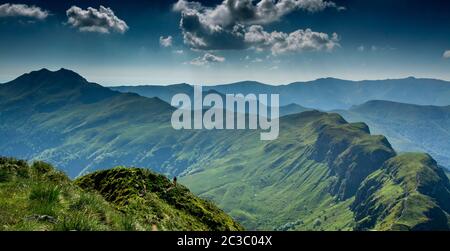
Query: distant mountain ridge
[326, 93]
[413, 113]
[408, 127]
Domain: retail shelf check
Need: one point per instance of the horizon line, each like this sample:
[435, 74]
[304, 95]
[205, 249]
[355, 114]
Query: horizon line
[234, 82]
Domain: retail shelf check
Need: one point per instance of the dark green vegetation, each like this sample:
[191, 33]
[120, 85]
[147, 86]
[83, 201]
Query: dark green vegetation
[38, 197]
[326, 93]
[307, 179]
[408, 127]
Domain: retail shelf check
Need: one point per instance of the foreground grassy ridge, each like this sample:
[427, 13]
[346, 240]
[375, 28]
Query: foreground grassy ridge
[38, 197]
[155, 201]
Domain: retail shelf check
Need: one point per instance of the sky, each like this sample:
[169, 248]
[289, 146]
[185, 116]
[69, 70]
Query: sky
[138, 42]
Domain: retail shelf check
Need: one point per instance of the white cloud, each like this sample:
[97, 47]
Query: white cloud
[273, 68]
[22, 10]
[297, 41]
[178, 52]
[207, 59]
[257, 60]
[361, 48]
[165, 41]
[446, 54]
[102, 20]
[230, 12]
[236, 24]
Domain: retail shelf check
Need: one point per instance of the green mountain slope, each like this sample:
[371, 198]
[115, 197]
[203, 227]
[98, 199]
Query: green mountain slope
[38, 197]
[408, 127]
[306, 179]
[313, 169]
[408, 193]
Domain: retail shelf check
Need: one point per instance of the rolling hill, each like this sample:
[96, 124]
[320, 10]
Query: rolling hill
[307, 179]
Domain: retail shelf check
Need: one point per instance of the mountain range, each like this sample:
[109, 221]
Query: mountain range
[323, 94]
[408, 127]
[322, 173]
[412, 113]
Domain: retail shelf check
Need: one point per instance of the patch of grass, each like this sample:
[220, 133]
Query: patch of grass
[84, 202]
[127, 223]
[41, 167]
[77, 221]
[45, 193]
[44, 198]
[4, 175]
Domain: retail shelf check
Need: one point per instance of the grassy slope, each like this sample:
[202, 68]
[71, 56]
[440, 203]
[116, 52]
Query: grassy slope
[154, 200]
[408, 193]
[266, 185]
[38, 197]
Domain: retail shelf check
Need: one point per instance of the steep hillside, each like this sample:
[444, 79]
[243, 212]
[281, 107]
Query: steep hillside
[408, 193]
[408, 127]
[152, 197]
[311, 171]
[60, 117]
[38, 197]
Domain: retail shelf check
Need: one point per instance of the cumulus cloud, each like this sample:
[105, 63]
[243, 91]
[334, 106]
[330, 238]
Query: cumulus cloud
[446, 54]
[230, 12]
[297, 41]
[207, 59]
[165, 41]
[237, 24]
[102, 20]
[22, 10]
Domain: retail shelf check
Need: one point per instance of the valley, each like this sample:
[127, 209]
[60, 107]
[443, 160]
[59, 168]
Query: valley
[321, 173]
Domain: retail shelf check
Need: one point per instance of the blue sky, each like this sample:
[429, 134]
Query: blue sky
[127, 42]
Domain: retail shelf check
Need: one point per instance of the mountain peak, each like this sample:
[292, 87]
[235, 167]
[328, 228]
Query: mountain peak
[45, 77]
[61, 86]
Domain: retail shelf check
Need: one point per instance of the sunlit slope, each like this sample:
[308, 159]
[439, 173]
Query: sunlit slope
[38, 197]
[313, 169]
